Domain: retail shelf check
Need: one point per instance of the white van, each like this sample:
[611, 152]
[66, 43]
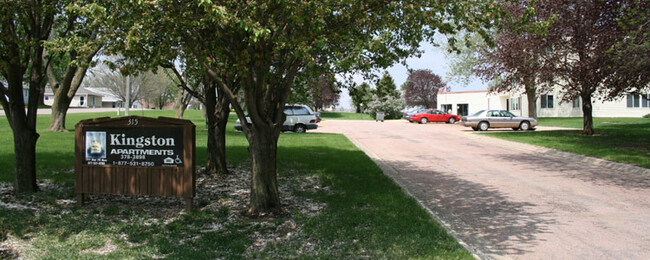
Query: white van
[299, 119]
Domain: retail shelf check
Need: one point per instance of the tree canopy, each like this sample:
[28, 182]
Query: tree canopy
[266, 44]
[584, 66]
[361, 95]
[386, 87]
[421, 89]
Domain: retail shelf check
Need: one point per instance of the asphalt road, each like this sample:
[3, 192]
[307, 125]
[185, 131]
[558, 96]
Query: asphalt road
[506, 200]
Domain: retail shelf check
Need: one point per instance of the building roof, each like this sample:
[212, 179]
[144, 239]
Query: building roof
[464, 92]
[106, 94]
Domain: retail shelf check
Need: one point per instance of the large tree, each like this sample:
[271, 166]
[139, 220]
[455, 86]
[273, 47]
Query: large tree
[361, 95]
[173, 33]
[518, 56]
[267, 43]
[587, 30]
[421, 88]
[73, 44]
[386, 87]
[319, 92]
[631, 55]
[515, 58]
[160, 88]
[24, 27]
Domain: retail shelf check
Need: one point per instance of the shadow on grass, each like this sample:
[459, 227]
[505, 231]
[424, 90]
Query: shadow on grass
[481, 215]
[58, 167]
[366, 215]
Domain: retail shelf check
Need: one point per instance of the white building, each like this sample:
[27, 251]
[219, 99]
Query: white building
[108, 98]
[86, 97]
[548, 104]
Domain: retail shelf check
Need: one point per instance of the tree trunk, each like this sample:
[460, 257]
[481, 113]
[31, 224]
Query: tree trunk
[24, 134]
[25, 159]
[181, 103]
[264, 185]
[59, 112]
[216, 120]
[180, 111]
[531, 96]
[587, 117]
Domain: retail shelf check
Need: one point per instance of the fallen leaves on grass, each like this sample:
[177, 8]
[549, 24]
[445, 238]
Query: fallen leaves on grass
[221, 193]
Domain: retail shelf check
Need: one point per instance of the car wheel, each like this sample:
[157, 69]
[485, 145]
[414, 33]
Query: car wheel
[524, 126]
[483, 126]
[299, 129]
[423, 120]
[452, 120]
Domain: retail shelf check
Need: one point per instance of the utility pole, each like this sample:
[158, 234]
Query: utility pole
[128, 96]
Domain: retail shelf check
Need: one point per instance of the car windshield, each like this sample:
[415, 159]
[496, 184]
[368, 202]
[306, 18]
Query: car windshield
[478, 113]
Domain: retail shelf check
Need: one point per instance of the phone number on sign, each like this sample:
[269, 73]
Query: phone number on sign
[132, 163]
[133, 157]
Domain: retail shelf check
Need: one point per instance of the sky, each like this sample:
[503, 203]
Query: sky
[433, 58]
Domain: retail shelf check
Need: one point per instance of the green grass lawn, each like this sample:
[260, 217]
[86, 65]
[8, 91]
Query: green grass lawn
[366, 214]
[625, 140]
[345, 116]
[576, 122]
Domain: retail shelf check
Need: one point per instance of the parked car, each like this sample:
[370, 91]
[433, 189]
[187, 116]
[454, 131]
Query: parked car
[409, 113]
[317, 114]
[484, 119]
[299, 119]
[434, 115]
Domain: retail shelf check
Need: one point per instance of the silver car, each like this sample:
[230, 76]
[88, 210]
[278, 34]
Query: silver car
[409, 113]
[484, 119]
[299, 119]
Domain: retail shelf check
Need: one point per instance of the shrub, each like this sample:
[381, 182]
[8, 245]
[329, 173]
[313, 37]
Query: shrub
[391, 107]
[646, 116]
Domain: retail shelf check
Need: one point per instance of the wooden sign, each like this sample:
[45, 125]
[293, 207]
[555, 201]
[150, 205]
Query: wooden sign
[135, 156]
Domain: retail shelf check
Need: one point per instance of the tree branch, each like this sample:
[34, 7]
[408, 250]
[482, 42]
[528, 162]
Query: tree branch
[233, 100]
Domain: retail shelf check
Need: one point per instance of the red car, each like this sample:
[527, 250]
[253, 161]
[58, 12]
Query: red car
[434, 115]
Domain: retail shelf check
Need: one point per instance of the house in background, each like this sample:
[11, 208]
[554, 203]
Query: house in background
[84, 97]
[108, 98]
[548, 104]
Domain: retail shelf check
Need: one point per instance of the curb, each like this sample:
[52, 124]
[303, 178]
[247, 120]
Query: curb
[403, 183]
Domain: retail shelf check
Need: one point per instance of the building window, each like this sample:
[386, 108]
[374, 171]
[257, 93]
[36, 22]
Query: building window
[576, 102]
[47, 98]
[81, 101]
[547, 101]
[515, 103]
[642, 100]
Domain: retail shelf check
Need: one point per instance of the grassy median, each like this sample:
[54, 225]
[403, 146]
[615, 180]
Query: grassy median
[345, 116]
[356, 211]
[625, 140]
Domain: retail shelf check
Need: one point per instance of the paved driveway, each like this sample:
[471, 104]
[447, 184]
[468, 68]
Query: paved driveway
[506, 200]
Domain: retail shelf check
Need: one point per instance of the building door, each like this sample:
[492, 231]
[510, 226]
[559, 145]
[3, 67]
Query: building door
[462, 109]
[446, 108]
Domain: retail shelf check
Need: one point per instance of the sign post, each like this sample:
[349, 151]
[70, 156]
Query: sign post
[135, 156]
